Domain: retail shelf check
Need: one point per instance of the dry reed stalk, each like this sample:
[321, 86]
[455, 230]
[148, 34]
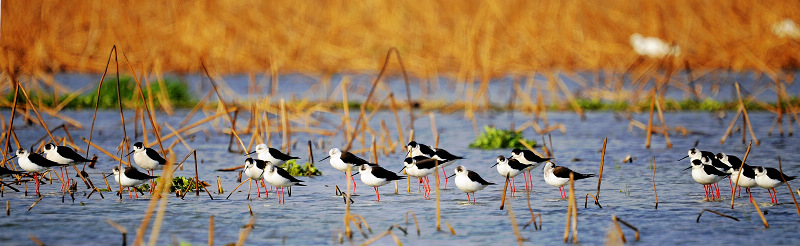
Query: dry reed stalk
[619, 230]
[746, 118]
[438, 204]
[736, 184]
[375, 238]
[178, 135]
[285, 127]
[346, 110]
[760, 214]
[514, 225]
[600, 176]
[663, 123]
[569, 217]
[399, 126]
[195, 124]
[415, 221]
[38, 116]
[650, 120]
[347, 230]
[160, 190]
[199, 105]
[528, 146]
[97, 99]
[150, 115]
[36, 240]
[718, 213]
[8, 208]
[410, 138]
[730, 126]
[105, 152]
[636, 230]
[121, 230]
[574, 208]
[654, 181]
[36, 202]
[211, 230]
[222, 103]
[780, 168]
[247, 228]
[10, 127]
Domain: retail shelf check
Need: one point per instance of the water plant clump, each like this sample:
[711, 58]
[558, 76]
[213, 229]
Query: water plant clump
[177, 93]
[493, 138]
[295, 169]
[178, 183]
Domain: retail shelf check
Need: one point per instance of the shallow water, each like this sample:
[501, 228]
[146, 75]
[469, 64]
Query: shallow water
[313, 214]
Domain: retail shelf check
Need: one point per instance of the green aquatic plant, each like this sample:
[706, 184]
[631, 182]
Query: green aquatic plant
[295, 169]
[178, 183]
[178, 93]
[493, 138]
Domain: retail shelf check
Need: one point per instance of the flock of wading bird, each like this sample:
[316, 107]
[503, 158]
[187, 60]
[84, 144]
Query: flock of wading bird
[420, 162]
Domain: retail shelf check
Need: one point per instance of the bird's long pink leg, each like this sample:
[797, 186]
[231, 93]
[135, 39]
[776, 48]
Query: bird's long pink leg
[354, 185]
[258, 189]
[266, 192]
[468, 197]
[377, 194]
[530, 179]
[705, 188]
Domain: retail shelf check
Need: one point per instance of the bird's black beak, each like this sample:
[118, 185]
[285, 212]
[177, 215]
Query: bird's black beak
[109, 175]
[250, 152]
[687, 168]
[354, 174]
[451, 176]
[130, 153]
[325, 158]
[493, 165]
[683, 158]
[401, 170]
[408, 153]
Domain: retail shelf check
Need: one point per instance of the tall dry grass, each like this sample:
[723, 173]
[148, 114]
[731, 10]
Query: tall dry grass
[463, 39]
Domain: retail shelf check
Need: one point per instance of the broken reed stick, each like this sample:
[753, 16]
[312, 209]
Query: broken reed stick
[399, 126]
[650, 120]
[156, 130]
[285, 127]
[730, 126]
[654, 181]
[619, 230]
[121, 230]
[636, 236]
[600, 176]
[736, 184]
[211, 231]
[783, 178]
[97, 99]
[718, 213]
[36, 240]
[160, 189]
[10, 128]
[224, 105]
[34, 203]
[574, 208]
[514, 225]
[663, 123]
[760, 214]
[347, 230]
[415, 221]
[247, 228]
[569, 215]
[346, 110]
[746, 118]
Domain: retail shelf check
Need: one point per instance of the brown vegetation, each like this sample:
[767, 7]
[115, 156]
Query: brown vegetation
[456, 38]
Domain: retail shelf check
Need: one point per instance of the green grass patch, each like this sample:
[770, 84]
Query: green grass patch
[178, 93]
[493, 138]
[178, 183]
[295, 169]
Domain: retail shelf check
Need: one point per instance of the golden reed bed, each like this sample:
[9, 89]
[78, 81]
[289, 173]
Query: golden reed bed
[463, 38]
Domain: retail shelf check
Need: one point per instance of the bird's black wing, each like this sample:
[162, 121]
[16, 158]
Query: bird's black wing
[443, 154]
[152, 154]
[515, 164]
[381, 172]
[529, 155]
[776, 175]
[134, 173]
[280, 155]
[748, 171]
[712, 170]
[425, 149]
[734, 161]
[348, 157]
[41, 161]
[286, 175]
[69, 153]
[260, 164]
[477, 178]
[426, 163]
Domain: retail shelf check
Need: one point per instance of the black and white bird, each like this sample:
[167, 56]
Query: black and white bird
[36, 164]
[274, 156]
[147, 158]
[469, 181]
[65, 156]
[377, 176]
[420, 167]
[529, 158]
[340, 160]
[706, 175]
[559, 176]
[747, 179]
[130, 177]
[769, 178]
[445, 158]
[510, 168]
[255, 169]
[695, 154]
[280, 178]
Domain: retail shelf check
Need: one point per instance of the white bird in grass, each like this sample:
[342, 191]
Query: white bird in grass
[652, 47]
